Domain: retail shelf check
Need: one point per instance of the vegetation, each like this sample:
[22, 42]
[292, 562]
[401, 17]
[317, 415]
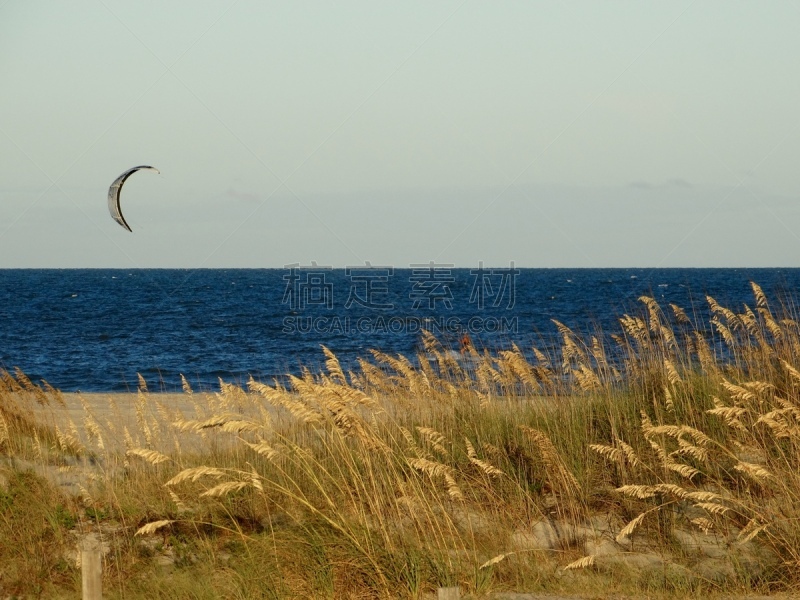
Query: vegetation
[663, 460]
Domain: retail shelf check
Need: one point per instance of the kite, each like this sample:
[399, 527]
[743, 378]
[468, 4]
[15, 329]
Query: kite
[114, 192]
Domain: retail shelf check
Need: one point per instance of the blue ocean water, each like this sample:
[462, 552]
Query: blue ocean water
[94, 330]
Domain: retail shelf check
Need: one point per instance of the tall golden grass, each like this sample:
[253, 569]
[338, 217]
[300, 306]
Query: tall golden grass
[411, 473]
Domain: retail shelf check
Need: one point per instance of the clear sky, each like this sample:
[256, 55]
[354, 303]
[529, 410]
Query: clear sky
[552, 134]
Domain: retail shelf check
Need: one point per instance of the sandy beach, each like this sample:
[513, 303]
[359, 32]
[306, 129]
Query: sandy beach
[105, 425]
[119, 408]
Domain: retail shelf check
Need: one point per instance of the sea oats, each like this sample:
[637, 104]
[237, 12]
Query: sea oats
[755, 471]
[187, 389]
[661, 453]
[750, 322]
[761, 298]
[704, 354]
[794, 373]
[153, 527]
[609, 452]
[759, 387]
[638, 491]
[687, 449]
[408, 437]
[739, 393]
[186, 425]
[635, 328]
[481, 464]
[628, 530]
[587, 379]
[654, 312]
[683, 469]
[680, 315]
[704, 524]
[713, 508]
[68, 443]
[152, 456]
[93, 429]
[54, 393]
[669, 403]
[240, 426]
[552, 459]
[729, 315]
[181, 506]
[673, 490]
[429, 467]
[789, 407]
[581, 563]
[217, 420]
[542, 359]
[496, 559]
[724, 332]
[772, 325]
[195, 473]
[599, 353]
[700, 438]
[435, 439]
[452, 487]
[333, 366]
[264, 449]
[434, 470]
[630, 454]
[88, 500]
[228, 487]
[705, 496]
[37, 445]
[730, 414]
[750, 531]
[668, 430]
[129, 441]
[4, 437]
[255, 480]
[672, 373]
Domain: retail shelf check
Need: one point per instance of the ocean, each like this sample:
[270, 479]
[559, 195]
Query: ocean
[93, 330]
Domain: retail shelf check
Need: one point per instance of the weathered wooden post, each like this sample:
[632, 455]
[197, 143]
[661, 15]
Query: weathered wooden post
[92, 567]
[448, 593]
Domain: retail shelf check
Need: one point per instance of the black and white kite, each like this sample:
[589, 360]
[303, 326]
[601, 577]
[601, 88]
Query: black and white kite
[114, 192]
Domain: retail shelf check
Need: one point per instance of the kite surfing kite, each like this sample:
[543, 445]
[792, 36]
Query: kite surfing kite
[114, 192]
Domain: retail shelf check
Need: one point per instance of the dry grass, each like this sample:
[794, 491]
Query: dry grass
[414, 473]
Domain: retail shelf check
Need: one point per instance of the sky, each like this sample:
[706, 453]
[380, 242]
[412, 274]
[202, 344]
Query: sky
[550, 134]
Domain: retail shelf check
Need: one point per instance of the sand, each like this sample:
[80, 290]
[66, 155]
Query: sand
[111, 414]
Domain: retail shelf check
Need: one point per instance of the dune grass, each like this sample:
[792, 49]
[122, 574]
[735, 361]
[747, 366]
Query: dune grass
[410, 474]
